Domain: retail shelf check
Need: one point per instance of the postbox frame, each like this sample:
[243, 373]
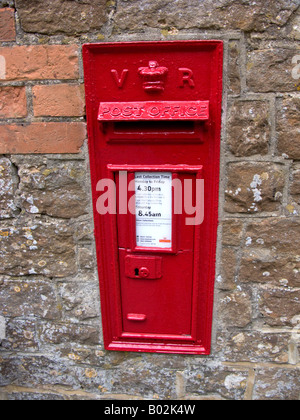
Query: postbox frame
[106, 226]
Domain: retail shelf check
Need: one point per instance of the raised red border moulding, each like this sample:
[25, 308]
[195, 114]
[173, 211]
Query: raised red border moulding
[154, 123]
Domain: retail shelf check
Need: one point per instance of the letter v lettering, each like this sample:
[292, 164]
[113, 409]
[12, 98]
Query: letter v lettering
[119, 80]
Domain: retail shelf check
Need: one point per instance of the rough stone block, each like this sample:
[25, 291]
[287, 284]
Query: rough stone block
[235, 309]
[270, 70]
[232, 232]
[276, 384]
[54, 188]
[249, 128]
[32, 298]
[295, 185]
[61, 16]
[80, 301]
[271, 255]
[288, 127]
[134, 15]
[254, 187]
[226, 279]
[144, 379]
[69, 333]
[280, 234]
[37, 247]
[279, 307]
[8, 186]
[211, 378]
[234, 69]
[266, 266]
[20, 335]
[254, 346]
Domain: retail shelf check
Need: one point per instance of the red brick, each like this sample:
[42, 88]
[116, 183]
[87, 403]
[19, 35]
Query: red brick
[13, 102]
[7, 25]
[58, 100]
[38, 62]
[52, 137]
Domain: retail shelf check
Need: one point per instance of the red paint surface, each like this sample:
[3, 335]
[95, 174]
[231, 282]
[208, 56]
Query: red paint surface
[167, 306]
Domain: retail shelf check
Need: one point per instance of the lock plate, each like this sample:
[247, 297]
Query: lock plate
[139, 267]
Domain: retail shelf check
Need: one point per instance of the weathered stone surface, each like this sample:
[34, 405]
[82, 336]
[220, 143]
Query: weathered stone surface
[69, 333]
[266, 266]
[279, 307]
[249, 15]
[288, 127]
[34, 396]
[249, 128]
[272, 253]
[61, 16]
[232, 232]
[8, 185]
[254, 187]
[80, 300]
[31, 370]
[290, 31]
[84, 231]
[2, 329]
[28, 299]
[254, 346]
[281, 235]
[226, 278]
[293, 31]
[295, 186]
[144, 379]
[163, 361]
[54, 188]
[276, 384]
[234, 69]
[37, 247]
[270, 70]
[80, 354]
[235, 309]
[20, 335]
[86, 259]
[213, 378]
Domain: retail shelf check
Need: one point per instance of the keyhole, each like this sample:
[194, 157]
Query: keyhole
[136, 271]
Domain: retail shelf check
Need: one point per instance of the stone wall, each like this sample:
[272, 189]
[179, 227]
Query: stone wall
[50, 320]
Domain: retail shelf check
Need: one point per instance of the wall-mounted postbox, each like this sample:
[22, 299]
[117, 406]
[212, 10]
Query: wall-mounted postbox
[154, 118]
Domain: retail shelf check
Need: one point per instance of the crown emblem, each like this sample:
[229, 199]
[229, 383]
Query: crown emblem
[154, 77]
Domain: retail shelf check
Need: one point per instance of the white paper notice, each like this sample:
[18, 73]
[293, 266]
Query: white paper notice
[153, 196]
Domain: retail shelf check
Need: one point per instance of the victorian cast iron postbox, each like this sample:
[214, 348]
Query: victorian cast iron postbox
[154, 119]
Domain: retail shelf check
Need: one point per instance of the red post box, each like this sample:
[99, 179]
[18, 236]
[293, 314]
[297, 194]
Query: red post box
[154, 118]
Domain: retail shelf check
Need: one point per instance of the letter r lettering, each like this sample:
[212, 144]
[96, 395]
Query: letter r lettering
[187, 77]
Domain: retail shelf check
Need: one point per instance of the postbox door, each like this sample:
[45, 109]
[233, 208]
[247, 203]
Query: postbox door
[156, 249]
